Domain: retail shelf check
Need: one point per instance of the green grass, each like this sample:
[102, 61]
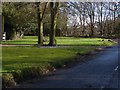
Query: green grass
[17, 58]
[63, 41]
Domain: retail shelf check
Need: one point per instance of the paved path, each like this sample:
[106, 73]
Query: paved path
[100, 72]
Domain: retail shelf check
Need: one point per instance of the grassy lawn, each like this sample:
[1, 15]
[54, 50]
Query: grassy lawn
[16, 58]
[63, 41]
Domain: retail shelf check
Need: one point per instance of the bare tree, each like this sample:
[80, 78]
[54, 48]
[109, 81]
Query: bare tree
[113, 8]
[90, 7]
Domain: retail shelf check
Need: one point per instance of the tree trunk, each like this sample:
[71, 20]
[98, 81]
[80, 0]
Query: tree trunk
[101, 26]
[21, 34]
[40, 26]
[53, 29]
[54, 8]
[91, 27]
[114, 22]
[92, 31]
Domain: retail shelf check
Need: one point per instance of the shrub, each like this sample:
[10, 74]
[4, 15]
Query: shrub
[27, 73]
[18, 75]
[8, 80]
[58, 64]
[31, 72]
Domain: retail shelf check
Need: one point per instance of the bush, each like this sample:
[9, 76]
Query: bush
[31, 72]
[58, 64]
[8, 80]
[27, 73]
[18, 75]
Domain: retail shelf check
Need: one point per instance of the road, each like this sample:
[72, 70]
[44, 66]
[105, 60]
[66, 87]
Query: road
[100, 72]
